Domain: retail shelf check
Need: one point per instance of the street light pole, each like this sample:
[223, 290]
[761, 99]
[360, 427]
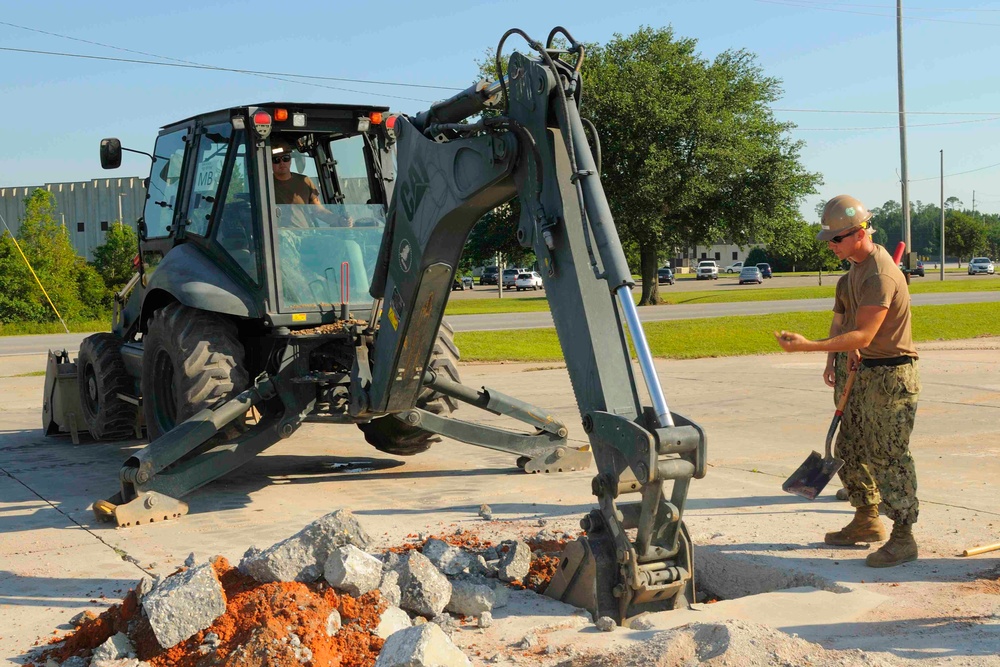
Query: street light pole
[902, 133]
[942, 214]
[120, 195]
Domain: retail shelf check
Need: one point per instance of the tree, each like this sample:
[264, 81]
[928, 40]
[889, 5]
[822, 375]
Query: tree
[113, 258]
[74, 288]
[964, 235]
[691, 151]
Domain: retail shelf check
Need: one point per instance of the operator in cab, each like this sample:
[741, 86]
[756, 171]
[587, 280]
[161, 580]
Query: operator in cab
[298, 190]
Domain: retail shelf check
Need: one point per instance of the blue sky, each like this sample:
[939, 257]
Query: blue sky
[831, 56]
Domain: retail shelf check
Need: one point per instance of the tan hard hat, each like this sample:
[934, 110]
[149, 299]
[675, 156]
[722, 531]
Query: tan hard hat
[841, 214]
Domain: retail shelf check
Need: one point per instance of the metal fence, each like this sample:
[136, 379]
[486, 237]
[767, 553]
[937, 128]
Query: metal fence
[85, 208]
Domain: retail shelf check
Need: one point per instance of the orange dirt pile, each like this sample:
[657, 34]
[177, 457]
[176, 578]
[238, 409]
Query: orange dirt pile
[540, 572]
[255, 630]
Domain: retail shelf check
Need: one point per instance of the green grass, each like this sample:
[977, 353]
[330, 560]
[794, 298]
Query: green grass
[31, 328]
[729, 336]
[824, 291]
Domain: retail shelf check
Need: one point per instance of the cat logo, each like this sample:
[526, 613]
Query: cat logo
[405, 255]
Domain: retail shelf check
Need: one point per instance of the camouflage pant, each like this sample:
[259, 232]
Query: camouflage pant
[874, 440]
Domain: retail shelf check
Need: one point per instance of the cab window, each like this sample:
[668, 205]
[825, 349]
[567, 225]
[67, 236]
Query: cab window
[164, 179]
[235, 228]
[210, 157]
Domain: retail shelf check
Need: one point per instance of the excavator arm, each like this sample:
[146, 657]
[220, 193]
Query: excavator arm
[452, 171]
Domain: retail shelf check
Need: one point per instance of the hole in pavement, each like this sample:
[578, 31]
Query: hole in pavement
[725, 576]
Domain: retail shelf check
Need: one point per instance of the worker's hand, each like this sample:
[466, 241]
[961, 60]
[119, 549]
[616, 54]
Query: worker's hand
[790, 341]
[830, 375]
[853, 360]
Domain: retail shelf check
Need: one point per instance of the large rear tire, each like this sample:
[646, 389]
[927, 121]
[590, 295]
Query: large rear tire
[192, 359]
[102, 376]
[392, 436]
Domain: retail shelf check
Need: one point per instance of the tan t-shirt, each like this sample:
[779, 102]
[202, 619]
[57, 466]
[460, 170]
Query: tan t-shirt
[298, 189]
[877, 281]
[840, 303]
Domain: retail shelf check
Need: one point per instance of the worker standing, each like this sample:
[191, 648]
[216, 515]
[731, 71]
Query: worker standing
[881, 409]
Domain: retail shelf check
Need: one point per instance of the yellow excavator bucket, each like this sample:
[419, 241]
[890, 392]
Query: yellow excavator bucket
[61, 410]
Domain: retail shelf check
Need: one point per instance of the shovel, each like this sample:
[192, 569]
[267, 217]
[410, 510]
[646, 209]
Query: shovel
[816, 471]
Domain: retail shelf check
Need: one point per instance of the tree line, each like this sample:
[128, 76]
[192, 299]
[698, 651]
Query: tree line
[78, 289]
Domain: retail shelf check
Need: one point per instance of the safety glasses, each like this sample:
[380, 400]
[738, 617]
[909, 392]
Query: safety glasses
[841, 237]
[277, 159]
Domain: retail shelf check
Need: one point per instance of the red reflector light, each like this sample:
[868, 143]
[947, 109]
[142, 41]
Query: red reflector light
[390, 122]
[375, 117]
[262, 118]
[280, 114]
[136, 261]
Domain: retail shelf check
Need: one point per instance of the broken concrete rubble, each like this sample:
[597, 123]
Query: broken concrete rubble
[515, 561]
[184, 604]
[449, 559]
[421, 646]
[393, 620]
[389, 587]
[302, 556]
[116, 647]
[352, 570]
[469, 598]
[424, 590]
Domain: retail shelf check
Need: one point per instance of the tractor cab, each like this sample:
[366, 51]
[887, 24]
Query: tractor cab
[279, 207]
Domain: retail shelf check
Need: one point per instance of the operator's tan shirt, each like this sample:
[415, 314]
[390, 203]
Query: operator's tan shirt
[840, 304]
[877, 281]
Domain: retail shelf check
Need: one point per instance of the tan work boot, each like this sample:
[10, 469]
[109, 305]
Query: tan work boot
[901, 548]
[864, 527]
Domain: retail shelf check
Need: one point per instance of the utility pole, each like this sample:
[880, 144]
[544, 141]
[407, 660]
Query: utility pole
[902, 135]
[120, 195]
[942, 214]
[973, 203]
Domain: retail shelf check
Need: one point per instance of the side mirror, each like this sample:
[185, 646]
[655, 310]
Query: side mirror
[111, 153]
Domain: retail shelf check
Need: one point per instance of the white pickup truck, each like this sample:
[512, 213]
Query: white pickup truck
[707, 270]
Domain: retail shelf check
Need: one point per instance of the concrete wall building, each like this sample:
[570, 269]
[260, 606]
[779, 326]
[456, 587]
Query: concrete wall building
[85, 208]
[724, 254]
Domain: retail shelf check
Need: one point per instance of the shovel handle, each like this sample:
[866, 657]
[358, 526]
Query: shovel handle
[841, 404]
[847, 392]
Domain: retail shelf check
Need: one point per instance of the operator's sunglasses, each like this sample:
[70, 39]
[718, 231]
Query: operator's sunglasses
[277, 159]
[841, 237]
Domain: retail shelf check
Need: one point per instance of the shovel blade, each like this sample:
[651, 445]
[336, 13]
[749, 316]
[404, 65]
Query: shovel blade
[810, 477]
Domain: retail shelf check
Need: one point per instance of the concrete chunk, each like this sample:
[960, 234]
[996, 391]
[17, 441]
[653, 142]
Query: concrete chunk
[352, 570]
[302, 556]
[184, 604]
[421, 646]
[116, 647]
[469, 598]
[447, 558]
[515, 562]
[389, 587]
[393, 620]
[423, 589]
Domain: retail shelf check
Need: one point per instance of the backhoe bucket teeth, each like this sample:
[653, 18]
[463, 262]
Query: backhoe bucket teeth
[147, 507]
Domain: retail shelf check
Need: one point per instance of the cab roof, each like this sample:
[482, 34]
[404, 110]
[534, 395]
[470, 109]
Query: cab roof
[308, 107]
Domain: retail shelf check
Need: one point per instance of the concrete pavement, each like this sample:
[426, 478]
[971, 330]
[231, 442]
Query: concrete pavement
[763, 415]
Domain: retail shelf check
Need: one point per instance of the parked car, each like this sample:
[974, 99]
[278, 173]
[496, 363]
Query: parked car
[665, 276]
[981, 265]
[462, 283]
[528, 280]
[751, 274]
[765, 269]
[490, 275]
[707, 270]
[509, 277]
[916, 271]
[735, 268]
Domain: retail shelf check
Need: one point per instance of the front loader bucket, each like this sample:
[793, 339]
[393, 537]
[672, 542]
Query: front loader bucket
[61, 410]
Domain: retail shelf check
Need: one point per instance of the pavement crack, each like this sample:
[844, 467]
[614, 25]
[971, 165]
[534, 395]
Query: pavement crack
[121, 553]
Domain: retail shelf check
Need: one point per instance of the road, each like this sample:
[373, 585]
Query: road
[21, 345]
